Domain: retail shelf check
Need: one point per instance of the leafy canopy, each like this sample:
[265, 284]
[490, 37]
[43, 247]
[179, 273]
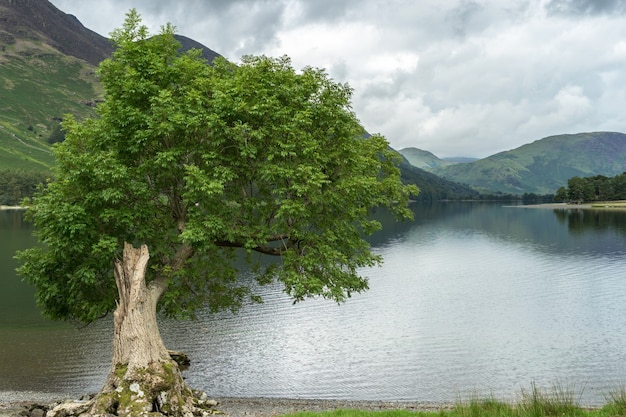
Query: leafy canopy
[204, 163]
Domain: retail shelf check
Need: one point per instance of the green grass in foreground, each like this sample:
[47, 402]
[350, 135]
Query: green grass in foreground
[557, 402]
[357, 413]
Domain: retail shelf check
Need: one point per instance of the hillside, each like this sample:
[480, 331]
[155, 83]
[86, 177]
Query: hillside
[545, 165]
[422, 159]
[38, 86]
[428, 161]
[39, 21]
[47, 69]
[432, 187]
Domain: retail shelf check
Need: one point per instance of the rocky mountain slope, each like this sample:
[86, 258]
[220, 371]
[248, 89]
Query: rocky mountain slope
[40, 21]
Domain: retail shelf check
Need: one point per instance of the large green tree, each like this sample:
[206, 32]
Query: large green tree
[187, 167]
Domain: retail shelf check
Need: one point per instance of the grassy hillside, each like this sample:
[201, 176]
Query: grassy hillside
[432, 187]
[422, 159]
[38, 85]
[545, 165]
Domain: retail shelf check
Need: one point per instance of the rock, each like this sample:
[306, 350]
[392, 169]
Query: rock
[67, 409]
[181, 358]
[37, 412]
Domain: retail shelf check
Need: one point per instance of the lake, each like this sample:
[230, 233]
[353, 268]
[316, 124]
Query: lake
[473, 299]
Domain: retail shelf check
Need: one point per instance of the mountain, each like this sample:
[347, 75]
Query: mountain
[39, 21]
[45, 72]
[47, 69]
[543, 166]
[428, 161]
[459, 160]
[433, 187]
[422, 159]
[187, 44]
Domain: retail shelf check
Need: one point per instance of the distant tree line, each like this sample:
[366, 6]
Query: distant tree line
[17, 184]
[596, 188]
[526, 198]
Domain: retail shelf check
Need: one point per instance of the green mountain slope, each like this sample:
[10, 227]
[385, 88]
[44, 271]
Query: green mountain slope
[432, 187]
[47, 69]
[38, 85]
[545, 165]
[422, 159]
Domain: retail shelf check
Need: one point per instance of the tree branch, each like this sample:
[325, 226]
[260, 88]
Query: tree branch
[264, 249]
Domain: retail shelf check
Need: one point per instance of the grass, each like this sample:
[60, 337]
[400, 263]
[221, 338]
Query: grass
[38, 86]
[556, 402]
[610, 204]
[357, 413]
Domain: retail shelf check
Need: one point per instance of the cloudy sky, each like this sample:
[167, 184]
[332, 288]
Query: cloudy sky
[454, 77]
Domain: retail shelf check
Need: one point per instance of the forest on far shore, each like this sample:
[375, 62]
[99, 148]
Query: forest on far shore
[18, 184]
[595, 188]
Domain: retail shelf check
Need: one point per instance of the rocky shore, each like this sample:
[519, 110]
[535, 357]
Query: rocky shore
[248, 407]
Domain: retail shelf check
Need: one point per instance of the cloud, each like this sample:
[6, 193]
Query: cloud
[585, 7]
[455, 77]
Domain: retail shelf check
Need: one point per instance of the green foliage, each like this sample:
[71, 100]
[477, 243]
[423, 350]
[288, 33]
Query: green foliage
[596, 188]
[204, 162]
[556, 402]
[16, 185]
[484, 407]
[616, 402]
[359, 413]
[57, 135]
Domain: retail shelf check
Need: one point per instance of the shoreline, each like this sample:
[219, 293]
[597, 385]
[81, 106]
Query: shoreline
[240, 406]
[601, 205]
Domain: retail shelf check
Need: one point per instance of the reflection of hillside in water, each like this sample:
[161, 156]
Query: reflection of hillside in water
[550, 231]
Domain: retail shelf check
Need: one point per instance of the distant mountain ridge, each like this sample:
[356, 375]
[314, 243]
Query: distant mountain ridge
[422, 159]
[544, 165]
[427, 160]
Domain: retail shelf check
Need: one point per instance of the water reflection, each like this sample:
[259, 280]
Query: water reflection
[579, 220]
[471, 298]
[597, 231]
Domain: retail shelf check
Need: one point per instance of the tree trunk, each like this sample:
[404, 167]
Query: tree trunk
[143, 378]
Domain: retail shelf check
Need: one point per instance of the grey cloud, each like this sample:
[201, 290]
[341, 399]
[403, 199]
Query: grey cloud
[325, 10]
[232, 27]
[464, 17]
[488, 75]
[585, 7]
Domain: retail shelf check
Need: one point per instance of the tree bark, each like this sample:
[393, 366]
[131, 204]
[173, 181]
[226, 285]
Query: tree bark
[143, 378]
[136, 339]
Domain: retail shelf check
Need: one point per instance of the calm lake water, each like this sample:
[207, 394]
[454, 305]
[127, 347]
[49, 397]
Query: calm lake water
[473, 299]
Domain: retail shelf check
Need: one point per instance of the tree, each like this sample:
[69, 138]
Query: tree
[580, 190]
[186, 167]
[561, 195]
[618, 185]
[57, 135]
